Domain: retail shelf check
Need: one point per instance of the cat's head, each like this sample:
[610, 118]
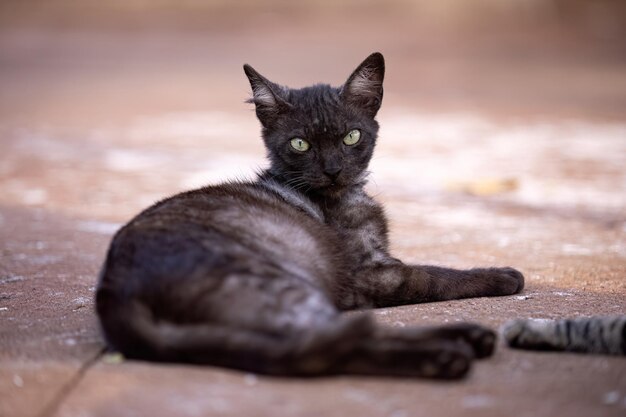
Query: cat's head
[320, 138]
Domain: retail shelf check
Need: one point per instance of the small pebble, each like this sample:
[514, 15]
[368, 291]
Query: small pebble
[80, 302]
[18, 381]
[113, 358]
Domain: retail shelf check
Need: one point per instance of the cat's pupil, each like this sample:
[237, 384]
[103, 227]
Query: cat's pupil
[352, 137]
[299, 144]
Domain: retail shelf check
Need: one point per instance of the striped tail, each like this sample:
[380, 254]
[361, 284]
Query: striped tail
[598, 334]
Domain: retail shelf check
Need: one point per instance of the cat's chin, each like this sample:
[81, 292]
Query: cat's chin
[331, 190]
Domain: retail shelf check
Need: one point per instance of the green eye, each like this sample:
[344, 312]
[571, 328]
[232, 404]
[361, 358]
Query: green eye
[352, 137]
[299, 144]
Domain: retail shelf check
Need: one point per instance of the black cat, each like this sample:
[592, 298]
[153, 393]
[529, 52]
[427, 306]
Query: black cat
[255, 275]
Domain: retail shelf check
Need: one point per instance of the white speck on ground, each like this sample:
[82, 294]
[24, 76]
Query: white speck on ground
[611, 398]
[70, 342]
[357, 395]
[573, 249]
[11, 278]
[18, 381]
[44, 259]
[250, 380]
[103, 228]
[80, 302]
[34, 196]
[562, 293]
[125, 160]
[477, 401]
[399, 413]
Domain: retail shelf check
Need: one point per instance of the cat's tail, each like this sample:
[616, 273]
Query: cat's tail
[131, 329]
[598, 334]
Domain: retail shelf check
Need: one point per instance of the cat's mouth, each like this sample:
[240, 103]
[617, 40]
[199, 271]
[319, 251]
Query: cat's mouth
[330, 186]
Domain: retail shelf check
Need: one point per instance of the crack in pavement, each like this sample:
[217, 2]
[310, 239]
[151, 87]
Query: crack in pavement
[51, 408]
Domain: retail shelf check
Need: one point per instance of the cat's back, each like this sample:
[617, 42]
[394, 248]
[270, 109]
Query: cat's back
[247, 210]
[231, 226]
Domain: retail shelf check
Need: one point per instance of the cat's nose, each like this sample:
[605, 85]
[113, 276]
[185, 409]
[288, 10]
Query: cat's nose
[332, 173]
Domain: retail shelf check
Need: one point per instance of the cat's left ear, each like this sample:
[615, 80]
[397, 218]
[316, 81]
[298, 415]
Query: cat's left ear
[266, 96]
[364, 88]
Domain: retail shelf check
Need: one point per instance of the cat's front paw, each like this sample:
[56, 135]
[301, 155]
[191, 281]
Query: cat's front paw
[513, 277]
[501, 281]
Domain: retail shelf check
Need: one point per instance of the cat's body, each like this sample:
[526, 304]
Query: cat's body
[255, 275]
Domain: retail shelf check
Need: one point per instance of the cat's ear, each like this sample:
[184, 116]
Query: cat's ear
[364, 88]
[266, 97]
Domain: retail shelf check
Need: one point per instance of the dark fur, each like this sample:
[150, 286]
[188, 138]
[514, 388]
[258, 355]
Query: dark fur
[254, 275]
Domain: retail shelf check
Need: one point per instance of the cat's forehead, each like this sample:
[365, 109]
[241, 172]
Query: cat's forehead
[319, 108]
[315, 96]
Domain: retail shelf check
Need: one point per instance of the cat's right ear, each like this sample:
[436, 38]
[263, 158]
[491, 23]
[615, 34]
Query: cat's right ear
[266, 97]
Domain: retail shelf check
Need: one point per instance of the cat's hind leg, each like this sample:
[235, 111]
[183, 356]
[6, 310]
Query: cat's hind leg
[480, 339]
[278, 342]
[444, 352]
[428, 358]
[343, 344]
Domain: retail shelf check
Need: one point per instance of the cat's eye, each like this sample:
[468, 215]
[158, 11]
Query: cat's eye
[352, 137]
[299, 144]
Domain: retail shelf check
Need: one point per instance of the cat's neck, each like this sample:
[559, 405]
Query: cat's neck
[314, 202]
[320, 196]
[291, 195]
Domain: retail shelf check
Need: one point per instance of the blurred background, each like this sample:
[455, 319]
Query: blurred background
[106, 107]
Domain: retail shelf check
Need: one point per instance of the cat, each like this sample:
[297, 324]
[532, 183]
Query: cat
[255, 275]
[596, 334]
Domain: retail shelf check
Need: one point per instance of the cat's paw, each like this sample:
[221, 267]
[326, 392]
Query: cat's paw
[514, 277]
[481, 339]
[451, 363]
[501, 281]
[443, 359]
[530, 333]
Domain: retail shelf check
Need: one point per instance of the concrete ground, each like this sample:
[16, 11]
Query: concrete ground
[503, 142]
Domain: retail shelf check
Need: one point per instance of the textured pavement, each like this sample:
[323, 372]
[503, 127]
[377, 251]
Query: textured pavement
[499, 145]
